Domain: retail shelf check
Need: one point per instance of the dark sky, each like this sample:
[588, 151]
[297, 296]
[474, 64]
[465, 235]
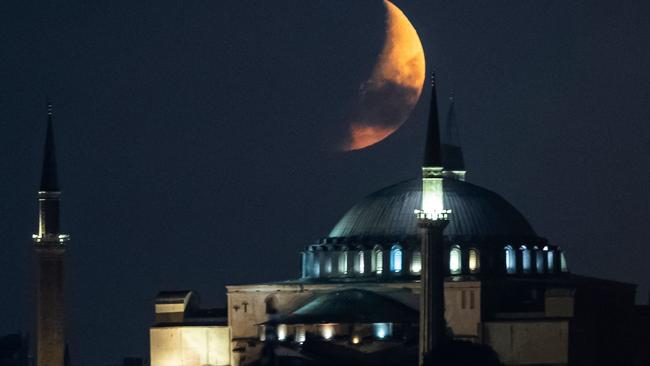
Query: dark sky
[194, 138]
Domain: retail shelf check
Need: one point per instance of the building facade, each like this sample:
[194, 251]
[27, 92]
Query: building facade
[358, 298]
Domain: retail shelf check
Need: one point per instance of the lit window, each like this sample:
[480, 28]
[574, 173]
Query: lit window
[327, 331]
[316, 266]
[563, 265]
[396, 259]
[525, 259]
[550, 261]
[262, 332]
[455, 265]
[382, 330]
[300, 335]
[416, 262]
[377, 261]
[343, 262]
[328, 263]
[511, 259]
[282, 332]
[360, 266]
[474, 261]
[539, 260]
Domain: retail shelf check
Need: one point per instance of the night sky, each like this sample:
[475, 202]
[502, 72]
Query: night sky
[196, 140]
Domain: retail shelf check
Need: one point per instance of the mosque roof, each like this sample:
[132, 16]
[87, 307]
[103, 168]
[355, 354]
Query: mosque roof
[475, 212]
[343, 307]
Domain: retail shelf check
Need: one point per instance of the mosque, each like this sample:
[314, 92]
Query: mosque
[358, 298]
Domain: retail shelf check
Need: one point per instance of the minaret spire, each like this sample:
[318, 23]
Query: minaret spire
[49, 177]
[432, 152]
[452, 153]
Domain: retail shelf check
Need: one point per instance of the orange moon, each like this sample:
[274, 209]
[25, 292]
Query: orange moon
[394, 87]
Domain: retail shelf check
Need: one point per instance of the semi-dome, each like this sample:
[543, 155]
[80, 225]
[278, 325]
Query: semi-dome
[476, 212]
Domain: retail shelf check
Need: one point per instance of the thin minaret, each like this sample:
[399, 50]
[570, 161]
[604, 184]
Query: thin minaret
[50, 249]
[432, 219]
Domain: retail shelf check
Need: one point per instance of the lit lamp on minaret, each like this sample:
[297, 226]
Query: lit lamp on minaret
[50, 249]
[432, 219]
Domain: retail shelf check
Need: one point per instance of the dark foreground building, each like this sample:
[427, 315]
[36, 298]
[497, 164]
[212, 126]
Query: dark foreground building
[357, 301]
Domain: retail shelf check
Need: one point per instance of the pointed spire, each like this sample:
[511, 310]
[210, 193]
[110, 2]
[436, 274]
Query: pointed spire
[432, 153]
[49, 179]
[452, 152]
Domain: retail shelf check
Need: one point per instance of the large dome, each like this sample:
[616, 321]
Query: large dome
[477, 213]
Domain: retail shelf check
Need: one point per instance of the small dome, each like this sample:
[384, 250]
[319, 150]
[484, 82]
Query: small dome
[388, 214]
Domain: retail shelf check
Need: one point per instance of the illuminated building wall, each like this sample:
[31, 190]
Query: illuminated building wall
[190, 345]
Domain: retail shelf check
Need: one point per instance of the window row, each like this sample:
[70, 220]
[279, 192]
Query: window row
[356, 262]
[327, 332]
[529, 260]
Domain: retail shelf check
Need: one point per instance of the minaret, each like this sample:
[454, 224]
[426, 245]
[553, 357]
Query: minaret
[432, 219]
[452, 154]
[50, 249]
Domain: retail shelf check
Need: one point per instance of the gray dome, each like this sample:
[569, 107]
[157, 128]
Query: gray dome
[475, 212]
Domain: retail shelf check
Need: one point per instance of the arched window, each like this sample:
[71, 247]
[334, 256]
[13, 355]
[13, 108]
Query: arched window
[455, 261]
[359, 265]
[343, 261]
[550, 260]
[525, 259]
[539, 260]
[396, 259]
[315, 264]
[328, 262]
[563, 265]
[377, 261]
[416, 262]
[271, 304]
[474, 261]
[511, 259]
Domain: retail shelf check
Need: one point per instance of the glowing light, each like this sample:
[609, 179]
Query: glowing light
[511, 260]
[300, 335]
[455, 265]
[563, 264]
[525, 258]
[327, 331]
[396, 259]
[474, 260]
[282, 332]
[382, 330]
[550, 260]
[432, 192]
[343, 262]
[416, 262]
[378, 261]
[360, 265]
[356, 339]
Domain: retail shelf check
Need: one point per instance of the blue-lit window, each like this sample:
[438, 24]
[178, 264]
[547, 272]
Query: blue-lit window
[525, 259]
[511, 259]
[539, 260]
[396, 258]
[550, 261]
[343, 262]
[455, 260]
[382, 330]
[315, 264]
[563, 265]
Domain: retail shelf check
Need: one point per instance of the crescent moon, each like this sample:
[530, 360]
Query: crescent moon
[394, 87]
